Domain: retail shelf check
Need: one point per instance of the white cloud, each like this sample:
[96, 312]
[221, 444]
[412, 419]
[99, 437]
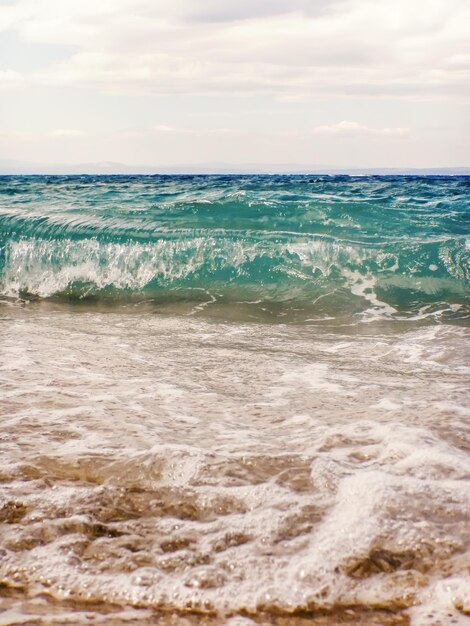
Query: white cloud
[10, 79]
[283, 48]
[192, 146]
[161, 128]
[67, 133]
[217, 11]
[353, 129]
[169, 130]
[330, 81]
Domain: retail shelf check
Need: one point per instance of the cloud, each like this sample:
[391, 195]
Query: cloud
[286, 49]
[169, 130]
[10, 79]
[67, 133]
[161, 128]
[353, 129]
[180, 144]
[217, 11]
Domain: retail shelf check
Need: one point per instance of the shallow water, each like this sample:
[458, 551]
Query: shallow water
[188, 461]
[175, 463]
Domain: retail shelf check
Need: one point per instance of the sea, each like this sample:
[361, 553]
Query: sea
[239, 400]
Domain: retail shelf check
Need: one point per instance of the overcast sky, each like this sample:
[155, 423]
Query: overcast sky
[354, 83]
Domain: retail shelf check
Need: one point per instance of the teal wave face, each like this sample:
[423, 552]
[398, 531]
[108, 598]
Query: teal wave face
[331, 246]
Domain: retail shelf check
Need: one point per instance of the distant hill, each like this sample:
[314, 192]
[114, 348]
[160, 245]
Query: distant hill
[109, 167]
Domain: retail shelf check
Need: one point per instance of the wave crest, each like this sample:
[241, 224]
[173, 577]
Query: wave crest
[316, 272]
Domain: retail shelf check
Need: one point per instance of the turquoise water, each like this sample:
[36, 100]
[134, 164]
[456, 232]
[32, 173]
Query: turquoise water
[318, 246]
[234, 401]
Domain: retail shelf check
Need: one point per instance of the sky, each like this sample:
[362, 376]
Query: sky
[330, 83]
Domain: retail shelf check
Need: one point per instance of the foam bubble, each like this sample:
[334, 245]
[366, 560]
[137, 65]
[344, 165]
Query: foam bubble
[241, 470]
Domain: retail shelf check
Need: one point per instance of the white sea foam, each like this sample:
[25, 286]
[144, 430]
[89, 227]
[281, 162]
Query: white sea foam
[159, 461]
[364, 287]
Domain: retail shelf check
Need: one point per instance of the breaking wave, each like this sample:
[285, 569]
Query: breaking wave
[280, 241]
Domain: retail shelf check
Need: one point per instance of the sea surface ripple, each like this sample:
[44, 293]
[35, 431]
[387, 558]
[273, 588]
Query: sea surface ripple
[234, 401]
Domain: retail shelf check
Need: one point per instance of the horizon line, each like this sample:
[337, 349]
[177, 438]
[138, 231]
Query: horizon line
[15, 168]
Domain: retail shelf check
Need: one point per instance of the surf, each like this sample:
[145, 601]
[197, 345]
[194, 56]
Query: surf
[335, 246]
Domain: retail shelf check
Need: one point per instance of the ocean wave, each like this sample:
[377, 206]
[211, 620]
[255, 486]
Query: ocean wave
[378, 246]
[230, 268]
